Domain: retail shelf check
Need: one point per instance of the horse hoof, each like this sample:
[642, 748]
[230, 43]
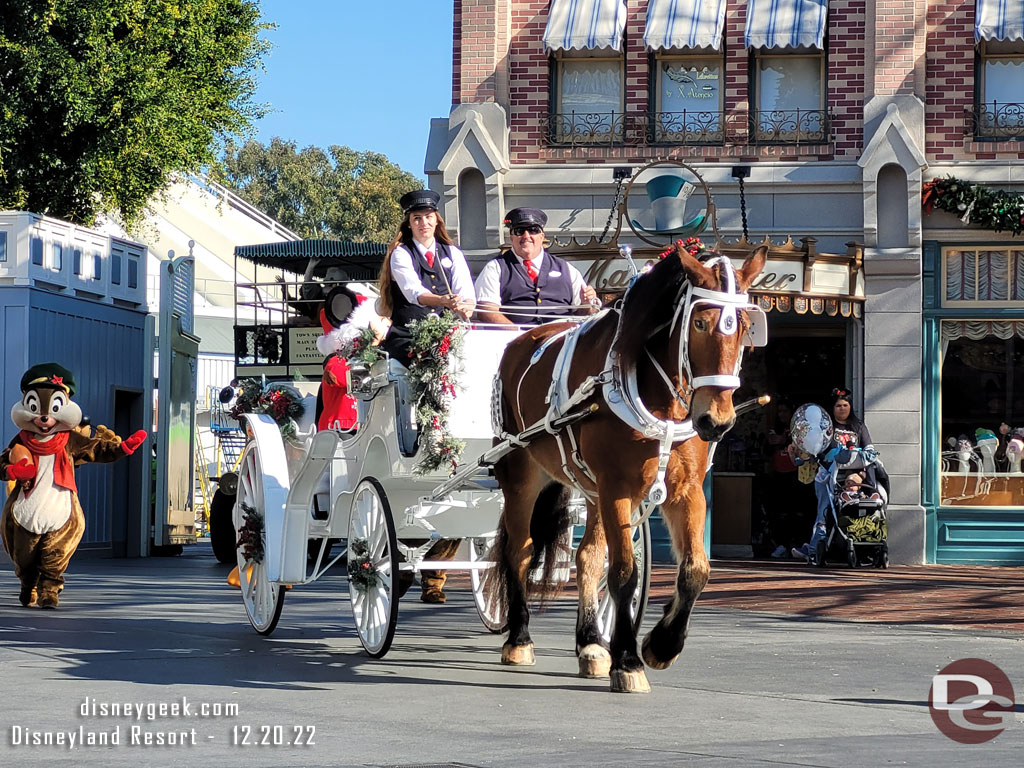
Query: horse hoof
[629, 682]
[650, 659]
[518, 655]
[595, 661]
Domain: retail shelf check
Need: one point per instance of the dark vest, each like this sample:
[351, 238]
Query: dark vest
[550, 295]
[433, 279]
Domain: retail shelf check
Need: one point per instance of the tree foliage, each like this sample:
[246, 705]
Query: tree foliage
[103, 100]
[337, 193]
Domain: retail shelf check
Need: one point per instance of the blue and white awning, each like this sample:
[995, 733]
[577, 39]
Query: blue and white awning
[585, 24]
[684, 24]
[782, 23]
[999, 20]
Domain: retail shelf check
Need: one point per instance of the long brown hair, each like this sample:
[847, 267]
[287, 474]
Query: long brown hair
[404, 237]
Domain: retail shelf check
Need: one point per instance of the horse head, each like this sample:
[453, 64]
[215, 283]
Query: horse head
[716, 328]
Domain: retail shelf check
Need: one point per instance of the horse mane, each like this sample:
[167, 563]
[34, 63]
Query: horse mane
[650, 303]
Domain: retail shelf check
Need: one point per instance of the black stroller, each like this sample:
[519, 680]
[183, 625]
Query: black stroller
[856, 521]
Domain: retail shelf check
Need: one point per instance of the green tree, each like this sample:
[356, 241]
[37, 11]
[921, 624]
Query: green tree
[103, 100]
[337, 193]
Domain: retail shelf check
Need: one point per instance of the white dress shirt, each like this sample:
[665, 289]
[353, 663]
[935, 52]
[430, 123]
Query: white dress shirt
[488, 282]
[404, 273]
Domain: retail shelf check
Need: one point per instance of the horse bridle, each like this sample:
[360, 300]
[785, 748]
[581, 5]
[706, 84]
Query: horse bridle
[730, 302]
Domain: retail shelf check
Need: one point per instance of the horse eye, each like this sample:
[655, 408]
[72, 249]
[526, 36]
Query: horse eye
[700, 325]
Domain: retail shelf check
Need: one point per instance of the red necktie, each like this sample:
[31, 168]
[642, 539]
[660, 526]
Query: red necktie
[429, 256]
[531, 271]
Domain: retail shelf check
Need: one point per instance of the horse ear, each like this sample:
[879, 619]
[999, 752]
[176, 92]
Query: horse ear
[697, 273]
[752, 267]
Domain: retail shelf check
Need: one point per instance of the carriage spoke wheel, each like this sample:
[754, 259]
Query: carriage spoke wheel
[488, 606]
[373, 567]
[638, 603]
[263, 599]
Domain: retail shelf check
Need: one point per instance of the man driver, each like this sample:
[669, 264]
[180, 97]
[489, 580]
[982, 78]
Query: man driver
[527, 285]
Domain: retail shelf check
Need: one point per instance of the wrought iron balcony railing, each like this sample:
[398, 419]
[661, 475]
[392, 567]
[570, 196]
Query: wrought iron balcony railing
[790, 126]
[589, 129]
[596, 129]
[996, 121]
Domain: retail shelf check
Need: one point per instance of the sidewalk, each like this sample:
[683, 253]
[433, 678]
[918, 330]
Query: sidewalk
[963, 596]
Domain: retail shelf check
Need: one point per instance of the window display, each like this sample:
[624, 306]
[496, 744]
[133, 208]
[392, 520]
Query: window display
[982, 413]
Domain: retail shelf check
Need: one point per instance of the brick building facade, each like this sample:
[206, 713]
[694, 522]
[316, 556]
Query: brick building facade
[909, 90]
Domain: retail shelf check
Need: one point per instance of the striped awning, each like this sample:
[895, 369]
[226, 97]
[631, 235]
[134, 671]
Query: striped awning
[782, 23]
[360, 261]
[999, 20]
[684, 24]
[585, 24]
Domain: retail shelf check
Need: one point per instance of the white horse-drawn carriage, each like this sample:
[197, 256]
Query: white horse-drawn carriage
[297, 495]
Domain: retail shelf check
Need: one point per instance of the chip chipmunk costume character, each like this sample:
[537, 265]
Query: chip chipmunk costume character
[42, 520]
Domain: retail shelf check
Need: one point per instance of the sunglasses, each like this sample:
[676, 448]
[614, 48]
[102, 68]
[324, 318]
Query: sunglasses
[533, 229]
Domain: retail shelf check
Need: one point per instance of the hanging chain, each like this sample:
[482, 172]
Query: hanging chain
[615, 206]
[743, 209]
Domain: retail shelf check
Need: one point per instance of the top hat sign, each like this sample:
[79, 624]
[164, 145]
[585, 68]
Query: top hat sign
[678, 202]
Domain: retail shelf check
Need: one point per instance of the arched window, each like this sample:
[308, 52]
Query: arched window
[472, 210]
[892, 210]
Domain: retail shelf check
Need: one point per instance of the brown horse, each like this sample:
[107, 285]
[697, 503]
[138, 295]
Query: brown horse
[613, 462]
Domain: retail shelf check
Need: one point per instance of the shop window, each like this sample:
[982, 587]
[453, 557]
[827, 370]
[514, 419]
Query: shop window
[586, 97]
[991, 276]
[789, 96]
[982, 413]
[687, 103]
[999, 90]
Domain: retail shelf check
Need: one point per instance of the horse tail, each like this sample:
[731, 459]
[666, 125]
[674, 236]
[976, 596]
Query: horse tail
[548, 527]
[549, 523]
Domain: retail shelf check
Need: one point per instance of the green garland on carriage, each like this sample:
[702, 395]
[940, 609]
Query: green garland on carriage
[436, 343]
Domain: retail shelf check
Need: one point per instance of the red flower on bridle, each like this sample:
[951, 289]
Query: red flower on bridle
[693, 246]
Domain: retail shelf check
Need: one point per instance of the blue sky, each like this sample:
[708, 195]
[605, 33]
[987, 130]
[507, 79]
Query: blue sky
[368, 75]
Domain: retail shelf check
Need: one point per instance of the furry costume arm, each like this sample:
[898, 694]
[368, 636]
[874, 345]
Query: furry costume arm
[103, 447]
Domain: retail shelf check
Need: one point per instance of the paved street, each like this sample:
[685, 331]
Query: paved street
[760, 683]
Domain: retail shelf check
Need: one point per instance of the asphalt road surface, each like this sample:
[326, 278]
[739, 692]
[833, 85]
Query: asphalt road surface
[159, 652]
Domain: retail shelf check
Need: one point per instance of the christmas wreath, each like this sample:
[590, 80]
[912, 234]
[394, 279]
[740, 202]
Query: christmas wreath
[278, 401]
[362, 349]
[994, 209]
[362, 573]
[250, 535]
[436, 343]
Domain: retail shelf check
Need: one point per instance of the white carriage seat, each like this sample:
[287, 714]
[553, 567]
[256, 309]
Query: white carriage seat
[405, 409]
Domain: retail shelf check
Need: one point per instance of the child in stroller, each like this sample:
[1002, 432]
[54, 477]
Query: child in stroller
[858, 515]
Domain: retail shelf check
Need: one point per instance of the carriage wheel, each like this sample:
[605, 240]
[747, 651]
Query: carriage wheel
[637, 606]
[373, 567]
[493, 615]
[263, 599]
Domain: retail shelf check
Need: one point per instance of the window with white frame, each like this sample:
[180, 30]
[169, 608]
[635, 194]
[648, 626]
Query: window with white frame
[587, 97]
[999, 89]
[789, 96]
[688, 96]
[56, 257]
[3, 246]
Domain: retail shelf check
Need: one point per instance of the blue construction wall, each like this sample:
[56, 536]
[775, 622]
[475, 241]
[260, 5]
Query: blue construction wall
[105, 347]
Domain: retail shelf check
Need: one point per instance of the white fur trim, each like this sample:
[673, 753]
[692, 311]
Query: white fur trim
[357, 322]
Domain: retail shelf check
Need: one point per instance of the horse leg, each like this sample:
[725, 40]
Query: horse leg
[521, 482]
[686, 524]
[627, 670]
[591, 648]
